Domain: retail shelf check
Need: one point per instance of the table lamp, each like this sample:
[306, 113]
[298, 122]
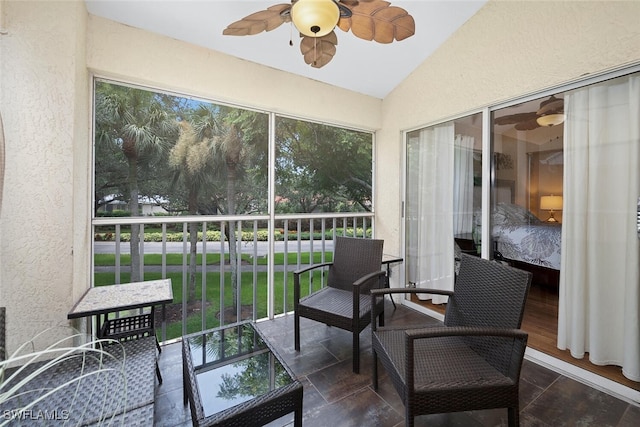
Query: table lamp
[551, 203]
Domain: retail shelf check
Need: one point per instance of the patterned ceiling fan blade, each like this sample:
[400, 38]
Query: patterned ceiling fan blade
[319, 51]
[377, 20]
[265, 20]
[527, 125]
[515, 118]
[551, 105]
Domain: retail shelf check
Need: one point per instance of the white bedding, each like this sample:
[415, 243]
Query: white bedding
[523, 237]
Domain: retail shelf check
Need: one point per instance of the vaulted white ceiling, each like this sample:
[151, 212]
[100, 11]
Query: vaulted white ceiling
[362, 66]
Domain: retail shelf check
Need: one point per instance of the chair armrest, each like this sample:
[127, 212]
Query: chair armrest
[506, 365]
[363, 282]
[364, 279]
[462, 331]
[296, 280]
[385, 291]
[312, 267]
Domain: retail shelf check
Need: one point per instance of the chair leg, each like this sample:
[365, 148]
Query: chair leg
[408, 416]
[296, 331]
[185, 397]
[158, 373]
[513, 417]
[356, 352]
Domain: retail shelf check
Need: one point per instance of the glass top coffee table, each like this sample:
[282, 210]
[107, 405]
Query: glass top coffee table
[233, 377]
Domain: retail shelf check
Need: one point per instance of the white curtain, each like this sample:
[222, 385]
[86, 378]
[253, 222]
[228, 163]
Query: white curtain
[600, 279]
[463, 184]
[430, 216]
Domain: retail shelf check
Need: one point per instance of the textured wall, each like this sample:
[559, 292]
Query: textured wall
[506, 50]
[44, 100]
[119, 51]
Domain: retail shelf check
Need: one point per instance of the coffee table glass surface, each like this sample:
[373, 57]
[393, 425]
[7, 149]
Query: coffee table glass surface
[233, 366]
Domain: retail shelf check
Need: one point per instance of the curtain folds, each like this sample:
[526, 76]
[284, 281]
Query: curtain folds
[429, 211]
[599, 300]
[463, 184]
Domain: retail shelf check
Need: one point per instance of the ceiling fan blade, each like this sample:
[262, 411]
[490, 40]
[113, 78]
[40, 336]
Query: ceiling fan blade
[265, 20]
[319, 51]
[377, 20]
[515, 118]
[550, 106]
[527, 125]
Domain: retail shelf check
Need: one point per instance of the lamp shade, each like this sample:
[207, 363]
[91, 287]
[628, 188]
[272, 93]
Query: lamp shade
[551, 203]
[315, 18]
[550, 119]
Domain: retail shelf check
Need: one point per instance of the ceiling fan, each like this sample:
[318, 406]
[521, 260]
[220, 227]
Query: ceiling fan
[550, 113]
[316, 19]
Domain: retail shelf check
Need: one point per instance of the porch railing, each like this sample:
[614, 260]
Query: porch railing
[219, 285]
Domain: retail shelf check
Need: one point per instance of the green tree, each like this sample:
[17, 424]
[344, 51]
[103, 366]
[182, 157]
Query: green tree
[238, 143]
[139, 126]
[322, 168]
[192, 162]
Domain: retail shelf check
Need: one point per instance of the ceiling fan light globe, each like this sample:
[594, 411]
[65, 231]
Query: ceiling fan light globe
[315, 18]
[550, 119]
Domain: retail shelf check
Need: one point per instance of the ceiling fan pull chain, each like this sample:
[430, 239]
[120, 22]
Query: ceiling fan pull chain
[291, 34]
[315, 50]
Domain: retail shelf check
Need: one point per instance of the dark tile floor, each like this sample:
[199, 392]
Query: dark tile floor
[336, 397]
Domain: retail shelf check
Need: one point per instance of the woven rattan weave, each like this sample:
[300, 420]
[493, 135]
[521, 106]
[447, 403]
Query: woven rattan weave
[344, 302]
[473, 360]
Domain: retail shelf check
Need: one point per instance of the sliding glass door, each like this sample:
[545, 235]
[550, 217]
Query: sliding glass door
[527, 203]
[439, 224]
[565, 186]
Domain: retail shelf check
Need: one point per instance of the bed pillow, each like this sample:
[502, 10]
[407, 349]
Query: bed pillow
[508, 214]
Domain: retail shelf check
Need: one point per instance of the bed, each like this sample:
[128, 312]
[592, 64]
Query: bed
[527, 242]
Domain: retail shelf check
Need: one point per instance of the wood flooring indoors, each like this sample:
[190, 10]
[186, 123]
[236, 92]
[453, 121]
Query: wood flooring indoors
[541, 322]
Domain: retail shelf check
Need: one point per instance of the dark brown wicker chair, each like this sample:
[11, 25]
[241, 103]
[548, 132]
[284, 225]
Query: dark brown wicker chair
[471, 362]
[345, 301]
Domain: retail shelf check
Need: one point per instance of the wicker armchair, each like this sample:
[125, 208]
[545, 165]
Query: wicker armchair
[471, 362]
[345, 301]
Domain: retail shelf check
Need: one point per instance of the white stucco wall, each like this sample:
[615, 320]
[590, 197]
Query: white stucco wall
[43, 99]
[507, 50]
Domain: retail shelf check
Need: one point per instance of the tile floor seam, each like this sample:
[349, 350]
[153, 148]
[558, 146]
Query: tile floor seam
[628, 409]
[544, 390]
[331, 402]
[320, 369]
[385, 401]
[330, 352]
[326, 402]
[349, 395]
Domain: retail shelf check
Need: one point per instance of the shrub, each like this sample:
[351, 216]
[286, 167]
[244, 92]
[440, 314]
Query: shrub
[247, 236]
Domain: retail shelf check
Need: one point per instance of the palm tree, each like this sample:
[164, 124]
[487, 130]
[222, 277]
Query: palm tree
[140, 125]
[192, 162]
[232, 135]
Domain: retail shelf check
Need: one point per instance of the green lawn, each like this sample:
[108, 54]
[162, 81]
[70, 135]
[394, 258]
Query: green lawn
[248, 290]
[212, 259]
